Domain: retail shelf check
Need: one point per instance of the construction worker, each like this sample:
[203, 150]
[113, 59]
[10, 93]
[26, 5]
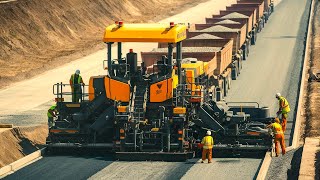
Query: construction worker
[52, 112]
[284, 109]
[76, 82]
[278, 136]
[207, 143]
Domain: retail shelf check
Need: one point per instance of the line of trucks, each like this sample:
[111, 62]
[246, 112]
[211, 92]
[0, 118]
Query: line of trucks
[161, 108]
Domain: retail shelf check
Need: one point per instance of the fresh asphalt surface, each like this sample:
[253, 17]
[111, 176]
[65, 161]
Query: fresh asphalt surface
[274, 64]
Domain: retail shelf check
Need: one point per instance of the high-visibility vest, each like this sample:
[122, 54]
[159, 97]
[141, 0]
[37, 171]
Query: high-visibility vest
[277, 128]
[286, 107]
[207, 142]
[51, 108]
[76, 81]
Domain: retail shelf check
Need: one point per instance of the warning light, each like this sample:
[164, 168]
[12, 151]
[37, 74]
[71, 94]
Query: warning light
[120, 23]
[171, 24]
[130, 50]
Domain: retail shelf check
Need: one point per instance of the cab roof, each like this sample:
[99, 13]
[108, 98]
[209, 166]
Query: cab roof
[122, 32]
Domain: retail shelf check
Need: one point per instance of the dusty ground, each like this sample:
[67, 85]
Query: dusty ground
[39, 35]
[20, 141]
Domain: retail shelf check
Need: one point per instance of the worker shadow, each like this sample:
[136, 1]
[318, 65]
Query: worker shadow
[228, 160]
[293, 172]
[193, 161]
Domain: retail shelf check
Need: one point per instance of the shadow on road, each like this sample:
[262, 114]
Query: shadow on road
[293, 172]
[317, 165]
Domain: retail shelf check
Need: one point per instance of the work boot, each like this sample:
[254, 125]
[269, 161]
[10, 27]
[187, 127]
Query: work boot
[209, 162]
[202, 162]
[277, 155]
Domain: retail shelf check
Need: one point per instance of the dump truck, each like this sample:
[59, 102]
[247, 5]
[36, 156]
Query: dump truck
[158, 115]
[255, 26]
[220, 55]
[258, 10]
[268, 6]
[243, 43]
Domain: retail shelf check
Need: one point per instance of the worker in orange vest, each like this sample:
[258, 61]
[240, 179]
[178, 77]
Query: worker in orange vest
[207, 143]
[278, 136]
[284, 109]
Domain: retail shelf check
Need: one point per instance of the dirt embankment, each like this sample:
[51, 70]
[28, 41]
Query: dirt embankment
[311, 126]
[20, 141]
[312, 104]
[39, 35]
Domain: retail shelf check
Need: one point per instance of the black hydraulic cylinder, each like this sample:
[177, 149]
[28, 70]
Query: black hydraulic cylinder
[179, 58]
[119, 51]
[132, 60]
[109, 58]
[170, 56]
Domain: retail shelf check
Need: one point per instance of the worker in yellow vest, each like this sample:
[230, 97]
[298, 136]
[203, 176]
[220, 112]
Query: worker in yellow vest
[76, 82]
[278, 136]
[284, 109]
[207, 143]
[52, 112]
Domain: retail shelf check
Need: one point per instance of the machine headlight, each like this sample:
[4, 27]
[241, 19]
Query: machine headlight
[228, 119]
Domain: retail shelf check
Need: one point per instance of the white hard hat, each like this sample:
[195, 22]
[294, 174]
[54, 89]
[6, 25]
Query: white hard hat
[209, 133]
[78, 71]
[278, 95]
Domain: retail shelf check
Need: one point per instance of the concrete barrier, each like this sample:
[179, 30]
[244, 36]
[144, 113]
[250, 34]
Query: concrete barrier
[6, 125]
[4, 171]
[264, 166]
[308, 159]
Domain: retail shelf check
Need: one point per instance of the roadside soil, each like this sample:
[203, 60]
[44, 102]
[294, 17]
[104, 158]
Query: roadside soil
[312, 128]
[20, 141]
[311, 124]
[36, 36]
